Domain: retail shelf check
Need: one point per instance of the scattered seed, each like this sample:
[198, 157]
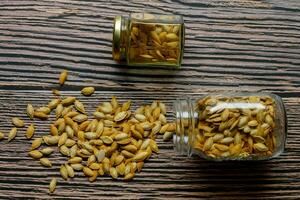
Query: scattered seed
[30, 111]
[63, 77]
[17, 122]
[52, 185]
[88, 91]
[36, 143]
[67, 101]
[63, 172]
[30, 131]
[47, 151]
[35, 154]
[40, 115]
[45, 162]
[12, 134]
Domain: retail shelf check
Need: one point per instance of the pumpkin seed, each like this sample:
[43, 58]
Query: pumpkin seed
[30, 111]
[17, 122]
[30, 131]
[12, 134]
[45, 162]
[88, 91]
[52, 185]
[63, 77]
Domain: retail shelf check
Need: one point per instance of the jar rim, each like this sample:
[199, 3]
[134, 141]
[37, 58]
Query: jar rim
[116, 46]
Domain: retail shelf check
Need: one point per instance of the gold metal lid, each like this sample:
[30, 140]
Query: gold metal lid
[116, 43]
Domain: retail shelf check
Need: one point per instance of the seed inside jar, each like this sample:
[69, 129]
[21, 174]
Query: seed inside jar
[152, 43]
[232, 127]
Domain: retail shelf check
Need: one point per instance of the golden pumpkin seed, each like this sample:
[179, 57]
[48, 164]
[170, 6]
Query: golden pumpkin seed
[40, 115]
[36, 143]
[44, 109]
[67, 101]
[52, 185]
[63, 77]
[79, 106]
[17, 122]
[30, 131]
[87, 171]
[63, 172]
[45, 162]
[35, 154]
[47, 151]
[88, 91]
[30, 111]
[12, 134]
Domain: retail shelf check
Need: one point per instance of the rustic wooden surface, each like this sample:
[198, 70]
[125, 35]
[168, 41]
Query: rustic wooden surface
[244, 45]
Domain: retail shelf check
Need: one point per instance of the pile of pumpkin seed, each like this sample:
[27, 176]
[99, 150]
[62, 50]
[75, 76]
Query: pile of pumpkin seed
[116, 142]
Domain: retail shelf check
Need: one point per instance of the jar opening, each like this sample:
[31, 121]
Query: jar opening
[118, 43]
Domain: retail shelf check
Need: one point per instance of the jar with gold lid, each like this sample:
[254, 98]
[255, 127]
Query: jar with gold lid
[148, 40]
[234, 126]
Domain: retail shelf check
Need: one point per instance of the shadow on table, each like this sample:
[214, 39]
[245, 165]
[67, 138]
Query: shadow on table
[234, 179]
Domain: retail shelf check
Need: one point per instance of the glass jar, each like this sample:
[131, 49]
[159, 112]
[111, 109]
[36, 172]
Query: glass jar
[238, 126]
[148, 40]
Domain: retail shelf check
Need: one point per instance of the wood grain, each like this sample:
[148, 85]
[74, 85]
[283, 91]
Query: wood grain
[244, 45]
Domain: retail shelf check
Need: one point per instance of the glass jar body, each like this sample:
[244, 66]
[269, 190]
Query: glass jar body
[238, 126]
[149, 40]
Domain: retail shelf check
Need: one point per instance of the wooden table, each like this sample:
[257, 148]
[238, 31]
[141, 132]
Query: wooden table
[243, 45]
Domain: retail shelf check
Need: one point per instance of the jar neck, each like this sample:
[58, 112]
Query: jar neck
[185, 122]
[120, 33]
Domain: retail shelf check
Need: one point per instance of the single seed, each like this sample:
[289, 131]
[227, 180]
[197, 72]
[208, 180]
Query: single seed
[51, 140]
[77, 166]
[63, 172]
[30, 131]
[113, 172]
[53, 103]
[12, 134]
[30, 111]
[80, 118]
[64, 150]
[88, 91]
[121, 136]
[59, 110]
[17, 122]
[79, 106]
[45, 162]
[45, 110]
[67, 101]
[52, 185]
[129, 177]
[106, 139]
[53, 130]
[87, 171]
[142, 155]
[63, 77]
[47, 151]
[40, 115]
[36, 143]
[35, 154]
[73, 151]
[260, 147]
[99, 115]
[120, 116]
[208, 144]
[63, 138]
[55, 92]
